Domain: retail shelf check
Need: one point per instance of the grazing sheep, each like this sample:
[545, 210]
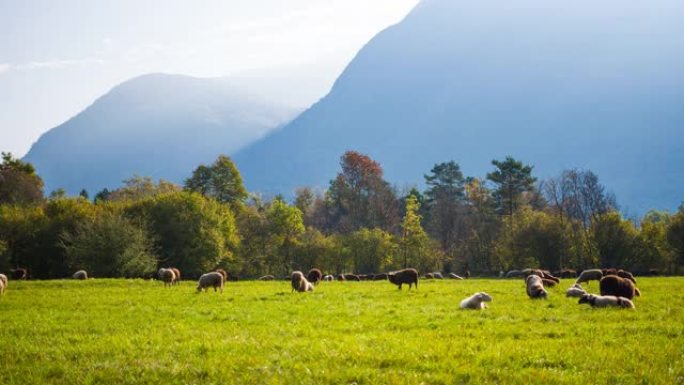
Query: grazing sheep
[437, 275]
[167, 276]
[340, 277]
[177, 274]
[606, 300]
[618, 286]
[223, 273]
[267, 278]
[300, 283]
[19, 273]
[575, 290]
[535, 287]
[328, 278]
[213, 279]
[626, 274]
[428, 276]
[3, 284]
[352, 277]
[590, 275]
[81, 274]
[476, 301]
[314, 276]
[380, 277]
[409, 276]
[454, 276]
[514, 274]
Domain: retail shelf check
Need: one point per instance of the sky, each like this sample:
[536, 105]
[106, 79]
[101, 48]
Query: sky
[57, 57]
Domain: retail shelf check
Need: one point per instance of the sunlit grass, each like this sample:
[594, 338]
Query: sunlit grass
[135, 331]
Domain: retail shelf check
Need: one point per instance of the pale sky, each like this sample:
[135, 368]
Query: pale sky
[57, 57]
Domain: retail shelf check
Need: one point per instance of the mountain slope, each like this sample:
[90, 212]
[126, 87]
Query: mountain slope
[154, 125]
[556, 84]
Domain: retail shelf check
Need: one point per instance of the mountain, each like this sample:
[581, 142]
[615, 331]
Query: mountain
[557, 84]
[154, 125]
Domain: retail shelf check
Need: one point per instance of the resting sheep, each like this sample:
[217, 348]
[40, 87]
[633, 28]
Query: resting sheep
[299, 282]
[535, 287]
[409, 276]
[208, 280]
[575, 290]
[314, 276]
[81, 274]
[618, 286]
[167, 276]
[606, 300]
[590, 275]
[476, 301]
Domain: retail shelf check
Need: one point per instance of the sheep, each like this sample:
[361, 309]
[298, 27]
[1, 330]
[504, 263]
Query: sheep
[266, 278]
[81, 274]
[223, 273]
[609, 271]
[351, 277]
[19, 273]
[428, 276]
[626, 274]
[567, 273]
[177, 274]
[549, 282]
[437, 275]
[535, 287]
[314, 276]
[409, 276]
[366, 277]
[380, 277]
[547, 275]
[213, 279]
[3, 278]
[575, 290]
[340, 277]
[166, 275]
[514, 274]
[328, 278]
[3, 284]
[454, 276]
[590, 275]
[299, 282]
[606, 300]
[618, 286]
[476, 301]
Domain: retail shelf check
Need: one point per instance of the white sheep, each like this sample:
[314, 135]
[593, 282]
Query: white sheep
[328, 277]
[168, 276]
[3, 278]
[3, 285]
[476, 301]
[535, 287]
[575, 290]
[213, 279]
[589, 275]
[606, 300]
[81, 274]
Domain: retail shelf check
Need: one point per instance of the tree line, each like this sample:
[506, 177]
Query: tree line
[360, 223]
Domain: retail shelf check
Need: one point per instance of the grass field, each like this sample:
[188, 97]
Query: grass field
[135, 331]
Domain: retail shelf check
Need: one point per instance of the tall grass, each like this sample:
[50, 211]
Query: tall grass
[134, 331]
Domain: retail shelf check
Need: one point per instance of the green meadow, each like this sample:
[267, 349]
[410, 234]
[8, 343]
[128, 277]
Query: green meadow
[116, 331]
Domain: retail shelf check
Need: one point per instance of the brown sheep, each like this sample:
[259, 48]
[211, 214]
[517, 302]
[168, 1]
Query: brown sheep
[618, 286]
[590, 275]
[549, 282]
[627, 275]
[609, 271]
[177, 273]
[19, 273]
[408, 276]
[547, 275]
[223, 273]
[167, 276]
[380, 277]
[535, 287]
[300, 283]
[314, 276]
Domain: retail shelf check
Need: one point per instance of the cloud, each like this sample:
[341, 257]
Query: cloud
[4, 67]
[58, 63]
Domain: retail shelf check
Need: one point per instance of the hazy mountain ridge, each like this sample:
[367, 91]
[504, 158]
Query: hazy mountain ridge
[558, 85]
[157, 125]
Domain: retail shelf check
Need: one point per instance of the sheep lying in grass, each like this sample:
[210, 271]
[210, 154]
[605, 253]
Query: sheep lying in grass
[208, 280]
[606, 300]
[590, 275]
[81, 274]
[300, 283]
[575, 290]
[535, 287]
[476, 301]
[167, 276]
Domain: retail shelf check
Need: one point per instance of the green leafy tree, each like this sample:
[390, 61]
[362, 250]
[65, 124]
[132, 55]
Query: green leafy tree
[19, 182]
[285, 225]
[83, 194]
[446, 202]
[109, 246]
[137, 188]
[616, 240]
[21, 227]
[221, 181]
[414, 242]
[372, 250]
[675, 238]
[512, 178]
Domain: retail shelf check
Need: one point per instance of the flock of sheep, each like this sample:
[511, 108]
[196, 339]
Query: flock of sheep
[617, 287]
